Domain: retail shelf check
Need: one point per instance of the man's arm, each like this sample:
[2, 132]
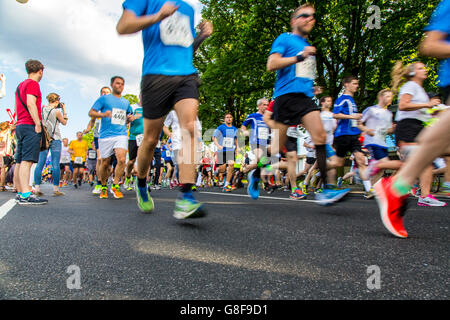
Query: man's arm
[130, 23]
[90, 125]
[355, 116]
[434, 45]
[97, 114]
[206, 29]
[277, 62]
[33, 109]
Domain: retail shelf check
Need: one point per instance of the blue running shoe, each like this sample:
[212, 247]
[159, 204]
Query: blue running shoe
[330, 196]
[339, 182]
[253, 186]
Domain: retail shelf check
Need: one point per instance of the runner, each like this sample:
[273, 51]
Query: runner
[64, 164]
[78, 150]
[171, 122]
[165, 153]
[136, 134]
[294, 60]
[411, 116]
[115, 112]
[169, 81]
[95, 124]
[225, 139]
[434, 141]
[91, 163]
[377, 124]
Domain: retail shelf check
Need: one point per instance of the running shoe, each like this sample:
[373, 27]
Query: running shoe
[61, 184]
[127, 183]
[103, 192]
[369, 194]
[330, 195]
[97, 189]
[392, 207]
[187, 207]
[115, 190]
[32, 200]
[339, 182]
[58, 193]
[157, 187]
[144, 200]
[65, 184]
[227, 189]
[253, 185]
[430, 201]
[304, 188]
[318, 190]
[372, 169]
[415, 192]
[194, 188]
[297, 194]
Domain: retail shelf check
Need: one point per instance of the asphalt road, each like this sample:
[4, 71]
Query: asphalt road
[272, 248]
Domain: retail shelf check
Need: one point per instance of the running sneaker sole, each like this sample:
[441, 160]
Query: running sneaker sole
[144, 210]
[197, 212]
[381, 198]
[328, 202]
[421, 204]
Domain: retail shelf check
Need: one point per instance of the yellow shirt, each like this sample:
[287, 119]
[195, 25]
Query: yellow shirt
[79, 149]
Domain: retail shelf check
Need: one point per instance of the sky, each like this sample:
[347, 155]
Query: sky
[77, 42]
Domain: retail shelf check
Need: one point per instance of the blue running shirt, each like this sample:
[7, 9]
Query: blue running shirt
[120, 108]
[440, 21]
[225, 137]
[260, 130]
[297, 78]
[168, 44]
[346, 127]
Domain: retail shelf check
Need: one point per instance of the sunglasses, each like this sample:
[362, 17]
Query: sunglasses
[306, 15]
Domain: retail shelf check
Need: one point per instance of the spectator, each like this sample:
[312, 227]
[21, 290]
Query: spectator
[53, 114]
[28, 131]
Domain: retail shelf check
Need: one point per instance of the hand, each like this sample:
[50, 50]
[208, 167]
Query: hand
[130, 118]
[38, 128]
[107, 114]
[357, 116]
[206, 28]
[309, 51]
[318, 90]
[371, 132]
[168, 9]
[434, 102]
[219, 147]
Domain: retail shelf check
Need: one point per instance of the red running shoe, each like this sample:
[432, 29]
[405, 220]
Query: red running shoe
[392, 207]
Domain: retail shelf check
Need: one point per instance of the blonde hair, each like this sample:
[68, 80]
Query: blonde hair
[382, 92]
[52, 97]
[400, 74]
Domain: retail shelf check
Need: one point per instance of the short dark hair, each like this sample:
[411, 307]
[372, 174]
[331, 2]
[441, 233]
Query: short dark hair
[33, 66]
[303, 6]
[104, 88]
[117, 77]
[322, 100]
[227, 114]
[349, 79]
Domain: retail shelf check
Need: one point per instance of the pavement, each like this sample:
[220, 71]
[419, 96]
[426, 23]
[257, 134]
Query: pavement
[270, 249]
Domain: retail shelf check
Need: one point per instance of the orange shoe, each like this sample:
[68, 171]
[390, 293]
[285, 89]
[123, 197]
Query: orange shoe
[104, 193]
[60, 184]
[115, 190]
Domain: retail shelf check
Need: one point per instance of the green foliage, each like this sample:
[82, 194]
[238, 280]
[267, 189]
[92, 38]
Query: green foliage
[132, 98]
[232, 62]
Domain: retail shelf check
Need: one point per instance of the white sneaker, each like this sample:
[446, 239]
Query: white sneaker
[430, 201]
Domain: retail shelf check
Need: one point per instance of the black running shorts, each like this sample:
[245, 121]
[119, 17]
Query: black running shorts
[290, 108]
[407, 130]
[132, 149]
[347, 144]
[160, 93]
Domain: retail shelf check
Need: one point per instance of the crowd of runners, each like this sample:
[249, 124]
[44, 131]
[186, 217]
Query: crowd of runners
[158, 143]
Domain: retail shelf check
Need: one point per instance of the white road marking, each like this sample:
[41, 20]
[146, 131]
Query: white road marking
[6, 207]
[260, 197]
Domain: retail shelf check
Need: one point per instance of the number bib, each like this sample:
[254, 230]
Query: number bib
[380, 134]
[176, 31]
[92, 155]
[65, 159]
[228, 143]
[306, 68]
[119, 117]
[139, 139]
[78, 160]
[263, 133]
[292, 132]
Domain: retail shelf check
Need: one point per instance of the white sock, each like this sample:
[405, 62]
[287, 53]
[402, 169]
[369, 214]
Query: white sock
[367, 185]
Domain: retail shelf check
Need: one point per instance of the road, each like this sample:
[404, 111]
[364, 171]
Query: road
[272, 248]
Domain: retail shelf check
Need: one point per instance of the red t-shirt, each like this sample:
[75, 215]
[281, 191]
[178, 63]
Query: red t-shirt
[29, 86]
[206, 162]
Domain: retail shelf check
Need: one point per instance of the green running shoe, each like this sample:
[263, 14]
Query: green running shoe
[144, 201]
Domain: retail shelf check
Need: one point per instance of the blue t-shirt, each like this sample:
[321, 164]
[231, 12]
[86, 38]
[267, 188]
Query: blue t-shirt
[168, 44]
[165, 153]
[299, 77]
[440, 21]
[117, 124]
[260, 130]
[137, 126]
[225, 137]
[346, 127]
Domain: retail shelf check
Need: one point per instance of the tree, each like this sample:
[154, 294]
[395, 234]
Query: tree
[232, 62]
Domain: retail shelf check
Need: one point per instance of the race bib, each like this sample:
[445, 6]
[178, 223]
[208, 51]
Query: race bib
[354, 123]
[176, 31]
[65, 159]
[380, 134]
[78, 160]
[139, 139]
[263, 133]
[119, 117]
[292, 132]
[306, 68]
[92, 154]
[228, 143]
